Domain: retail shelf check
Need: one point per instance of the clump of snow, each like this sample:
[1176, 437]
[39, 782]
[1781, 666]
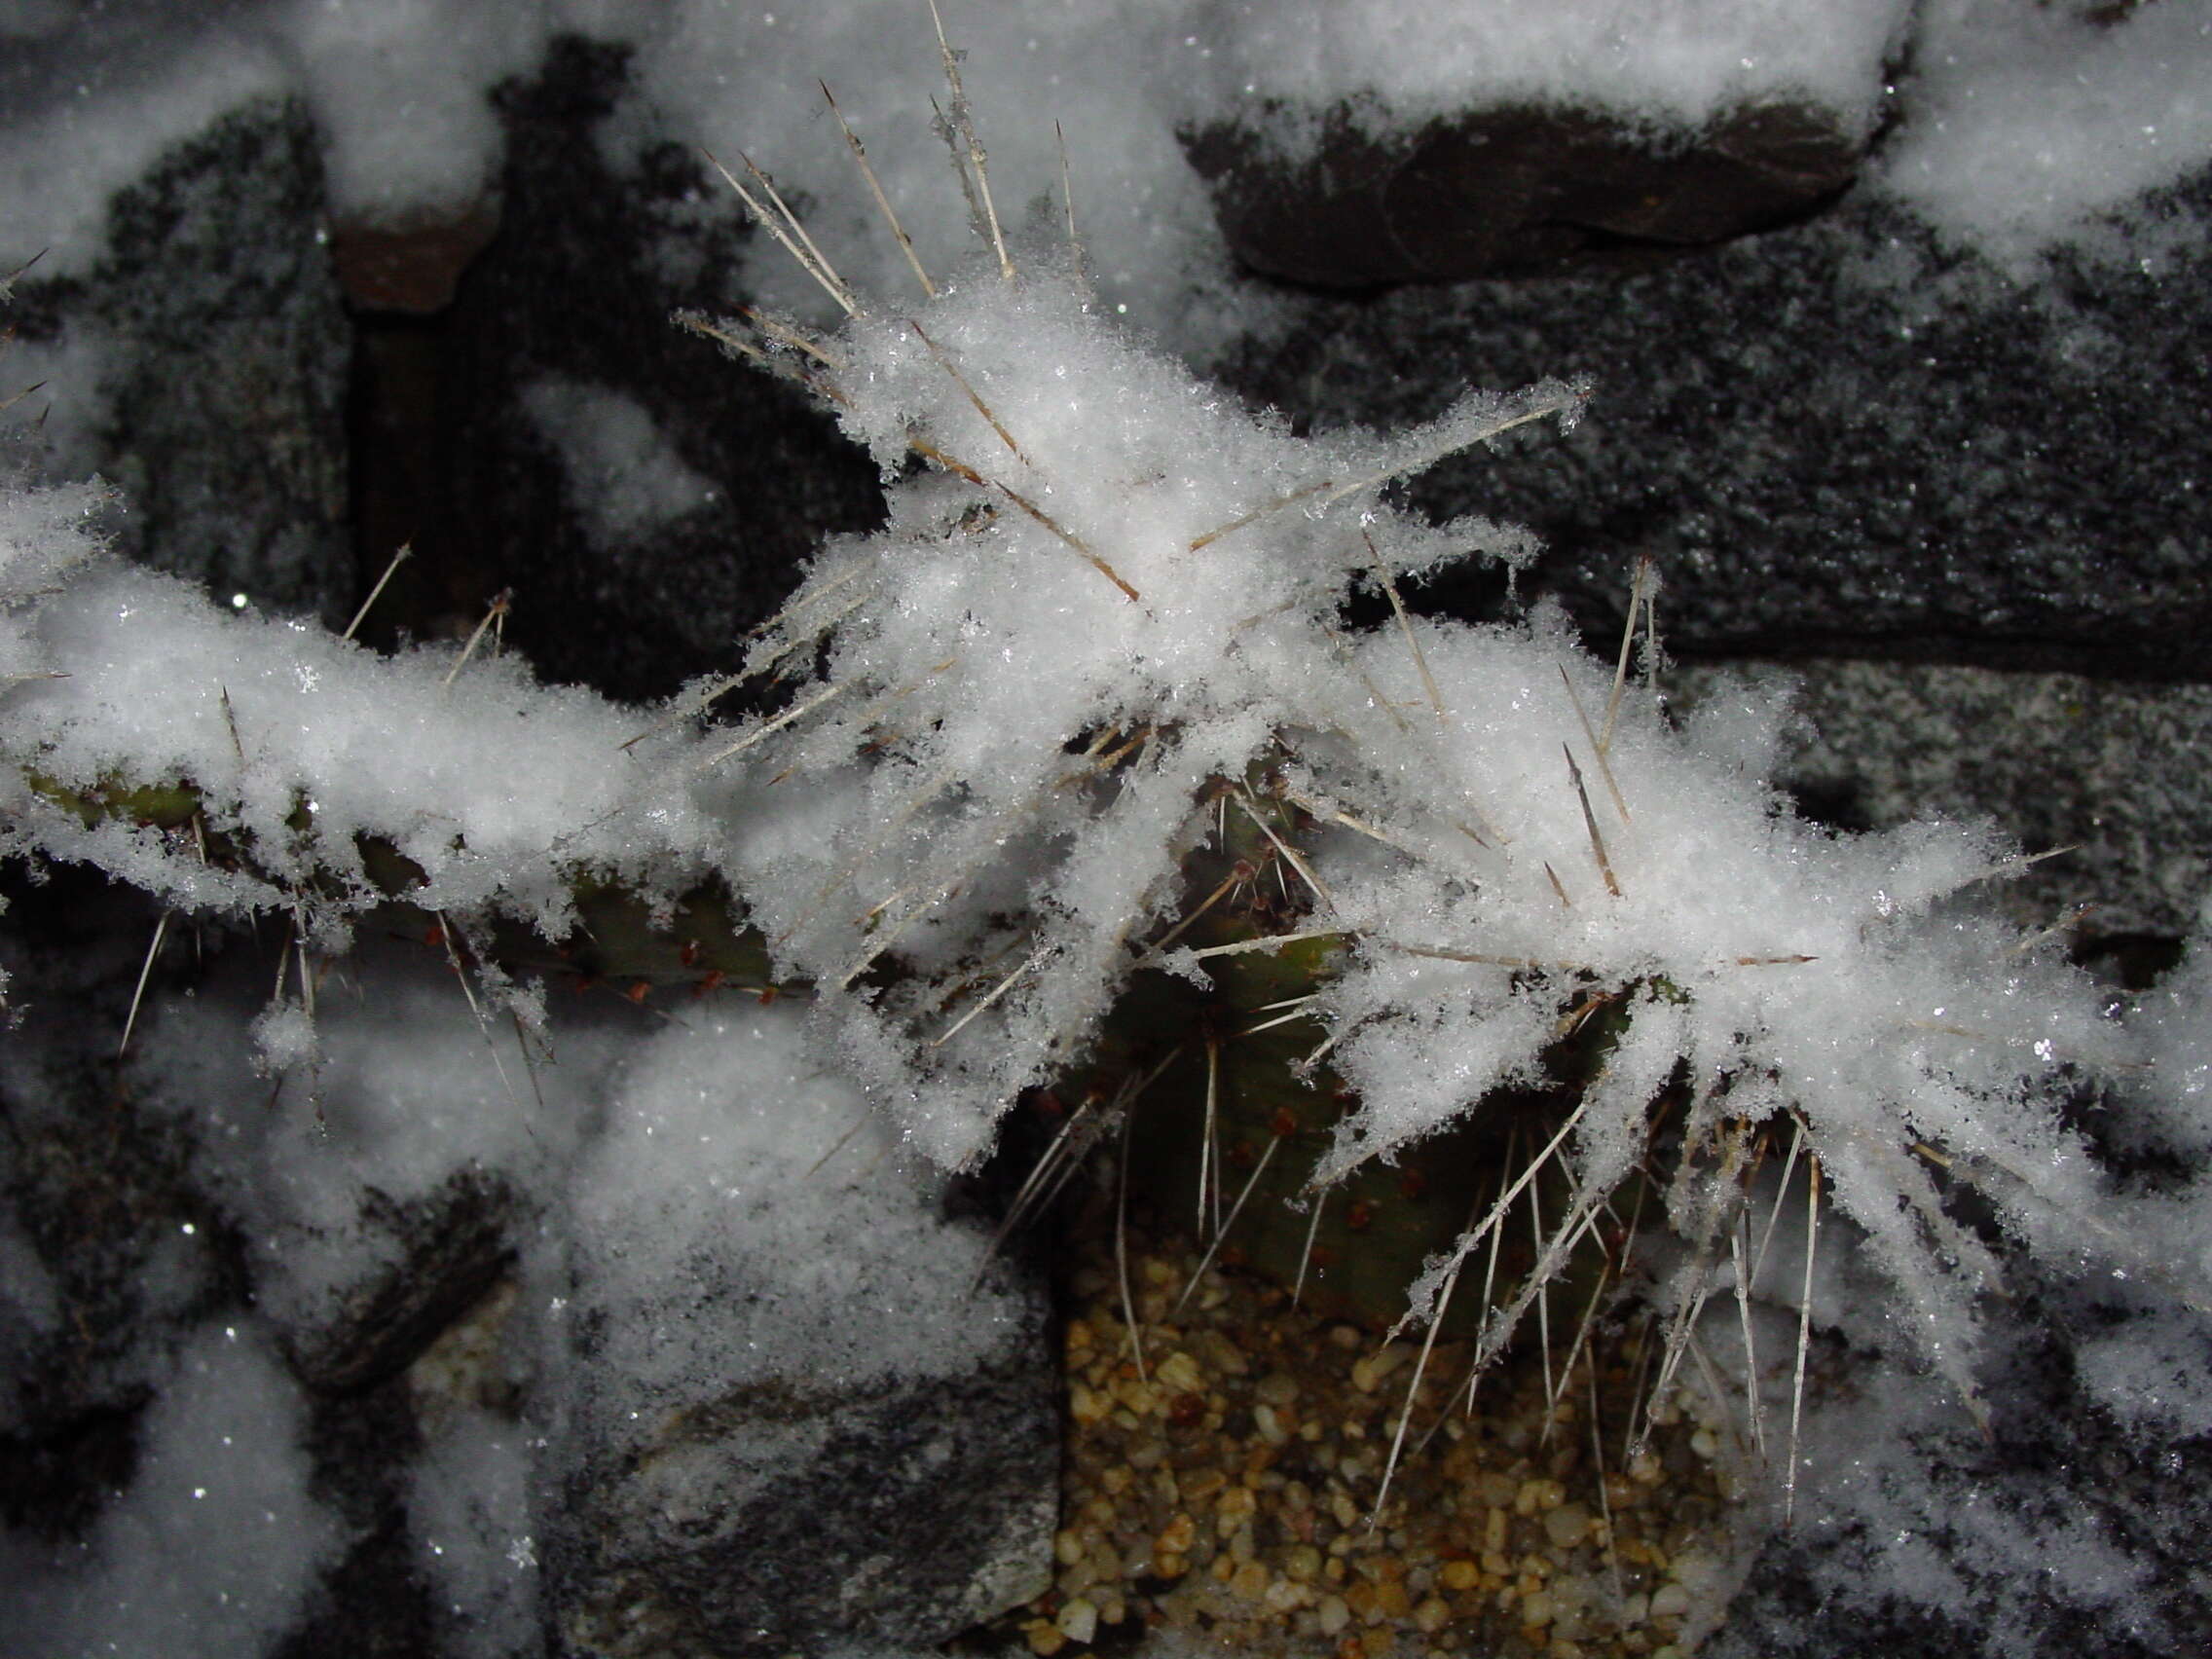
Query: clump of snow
[1786, 968]
[470, 1513]
[1677, 63]
[2025, 126]
[1118, 586]
[212, 1549]
[622, 476]
[46, 532]
[302, 746]
[400, 90]
[2175, 1019]
[408, 1092]
[716, 1220]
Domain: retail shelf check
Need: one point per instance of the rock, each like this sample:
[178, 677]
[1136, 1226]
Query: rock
[775, 1420]
[1512, 189]
[904, 1514]
[221, 349]
[410, 267]
[2118, 771]
[435, 1257]
[1831, 439]
[2060, 1531]
[559, 366]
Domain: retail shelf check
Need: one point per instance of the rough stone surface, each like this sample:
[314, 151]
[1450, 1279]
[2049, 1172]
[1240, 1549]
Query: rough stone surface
[1830, 439]
[445, 1251]
[224, 351]
[412, 266]
[1512, 189]
[2056, 1471]
[793, 1515]
[2121, 771]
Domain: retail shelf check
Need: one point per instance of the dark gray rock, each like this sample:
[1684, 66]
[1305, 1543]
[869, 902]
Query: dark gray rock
[905, 1514]
[2118, 771]
[1832, 440]
[441, 1253]
[223, 353]
[1515, 188]
[771, 1423]
[2062, 1531]
[576, 291]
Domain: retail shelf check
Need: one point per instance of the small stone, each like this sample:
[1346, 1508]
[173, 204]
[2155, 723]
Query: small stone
[1223, 1355]
[1285, 1596]
[1536, 1609]
[1044, 1637]
[1538, 1496]
[1200, 1485]
[1432, 1615]
[1458, 1576]
[1180, 1374]
[1334, 1613]
[1078, 1620]
[1369, 1371]
[1670, 1602]
[1566, 1526]
[1141, 1398]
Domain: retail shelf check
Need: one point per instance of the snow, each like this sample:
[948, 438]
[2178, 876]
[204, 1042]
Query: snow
[215, 1544]
[2023, 125]
[1108, 610]
[496, 790]
[93, 106]
[622, 476]
[409, 1093]
[398, 88]
[1680, 63]
[468, 1511]
[2026, 126]
[745, 1265]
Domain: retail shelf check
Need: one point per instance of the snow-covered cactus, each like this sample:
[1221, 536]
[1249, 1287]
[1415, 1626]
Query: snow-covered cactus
[1107, 617]
[1105, 621]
